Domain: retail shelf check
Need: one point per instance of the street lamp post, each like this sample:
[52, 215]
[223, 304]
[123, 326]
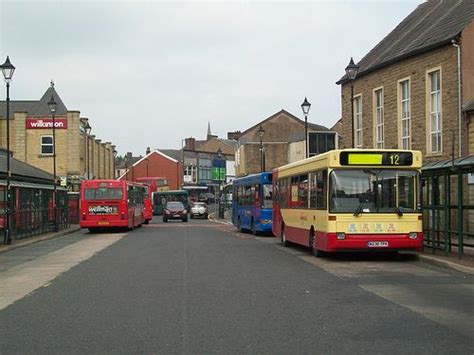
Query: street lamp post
[305, 106]
[351, 72]
[219, 158]
[88, 129]
[261, 133]
[114, 152]
[52, 108]
[8, 69]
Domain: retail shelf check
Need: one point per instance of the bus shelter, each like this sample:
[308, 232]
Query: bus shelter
[31, 201]
[447, 195]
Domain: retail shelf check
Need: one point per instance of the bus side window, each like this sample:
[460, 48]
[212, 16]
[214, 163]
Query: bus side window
[256, 195]
[321, 189]
[313, 189]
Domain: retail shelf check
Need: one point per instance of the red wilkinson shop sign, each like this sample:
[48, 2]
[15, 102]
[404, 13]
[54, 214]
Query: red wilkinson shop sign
[46, 123]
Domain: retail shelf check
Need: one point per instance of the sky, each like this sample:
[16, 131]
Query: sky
[148, 74]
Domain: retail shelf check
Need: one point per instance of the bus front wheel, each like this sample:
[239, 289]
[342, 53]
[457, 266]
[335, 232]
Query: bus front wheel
[253, 228]
[239, 225]
[312, 244]
[283, 238]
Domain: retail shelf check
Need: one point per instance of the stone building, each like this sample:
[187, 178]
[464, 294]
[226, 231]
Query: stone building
[31, 140]
[283, 142]
[415, 88]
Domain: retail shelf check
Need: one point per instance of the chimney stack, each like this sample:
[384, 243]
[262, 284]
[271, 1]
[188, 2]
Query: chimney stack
[148, 150]
[190, 144]
[234, 136]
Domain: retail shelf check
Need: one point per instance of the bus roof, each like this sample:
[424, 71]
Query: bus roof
[265, 177]
[110, 182]
[332, 159]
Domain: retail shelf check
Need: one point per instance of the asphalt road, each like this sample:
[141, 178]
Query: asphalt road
[201, 287]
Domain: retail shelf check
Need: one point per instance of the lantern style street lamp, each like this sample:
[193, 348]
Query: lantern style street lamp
[351, 71]
[8, 69]
[52, 108]
[305, 106]
[261, 133]
[88, 129]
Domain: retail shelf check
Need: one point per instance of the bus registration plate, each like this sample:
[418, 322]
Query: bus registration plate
[103, 223]
[383, 244]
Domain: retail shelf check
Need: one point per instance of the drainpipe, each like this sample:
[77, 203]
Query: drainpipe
[458, 47]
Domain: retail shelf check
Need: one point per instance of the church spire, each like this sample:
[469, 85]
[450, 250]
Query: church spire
[209, 134]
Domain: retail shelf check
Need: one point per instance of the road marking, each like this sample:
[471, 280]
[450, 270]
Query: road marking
[441, 309]
[23, 279]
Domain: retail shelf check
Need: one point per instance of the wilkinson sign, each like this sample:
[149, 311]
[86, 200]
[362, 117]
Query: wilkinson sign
[45, 123]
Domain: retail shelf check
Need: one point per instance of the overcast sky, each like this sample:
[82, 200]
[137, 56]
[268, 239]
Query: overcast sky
[152, 73]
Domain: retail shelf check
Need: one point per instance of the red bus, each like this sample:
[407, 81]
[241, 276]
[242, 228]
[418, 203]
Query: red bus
[155, 183]
[147, 205]
[112, 203]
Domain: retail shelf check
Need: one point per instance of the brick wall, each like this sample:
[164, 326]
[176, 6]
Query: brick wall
[416, 70]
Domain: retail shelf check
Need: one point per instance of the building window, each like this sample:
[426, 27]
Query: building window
[405, 114]
[435, 111]
[190, 172]
[379, 131]
[358, 121]
[47, 145]
[320, 142]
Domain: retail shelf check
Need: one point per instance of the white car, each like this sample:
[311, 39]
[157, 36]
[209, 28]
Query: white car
[199, 209]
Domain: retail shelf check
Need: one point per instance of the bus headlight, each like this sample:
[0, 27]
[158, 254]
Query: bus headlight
[413, 235]
[340, 236]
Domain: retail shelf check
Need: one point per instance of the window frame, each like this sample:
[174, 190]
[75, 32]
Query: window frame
[429, 112]
[378, 117]
[401, 111]
[358, 143]
[47, 145]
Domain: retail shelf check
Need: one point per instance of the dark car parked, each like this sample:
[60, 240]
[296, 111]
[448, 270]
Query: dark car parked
[175, 210]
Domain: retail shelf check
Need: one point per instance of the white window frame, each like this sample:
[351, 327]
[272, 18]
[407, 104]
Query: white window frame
[378, 110]
[434, 132]
[46, 145]
[404, 115]
[358, 117]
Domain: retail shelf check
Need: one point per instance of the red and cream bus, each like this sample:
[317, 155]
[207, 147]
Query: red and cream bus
[350, 200]
[112, 203]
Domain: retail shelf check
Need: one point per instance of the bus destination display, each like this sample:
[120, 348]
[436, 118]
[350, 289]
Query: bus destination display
[376, 158]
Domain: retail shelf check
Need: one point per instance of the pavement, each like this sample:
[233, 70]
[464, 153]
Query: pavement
[19, 243]
[202, 287]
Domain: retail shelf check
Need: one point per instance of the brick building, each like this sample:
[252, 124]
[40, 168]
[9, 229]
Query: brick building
[415, 88]
[283, 142]
[31, 140]
[155, 163]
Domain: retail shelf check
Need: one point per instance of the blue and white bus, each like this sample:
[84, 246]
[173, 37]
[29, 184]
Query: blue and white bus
[252, 203]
